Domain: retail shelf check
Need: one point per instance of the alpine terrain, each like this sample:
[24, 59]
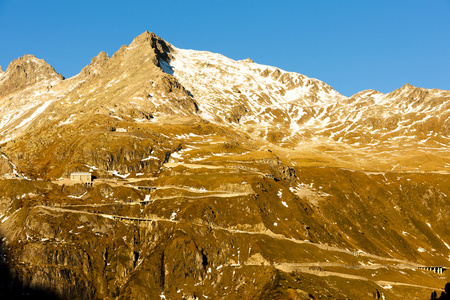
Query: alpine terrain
[163, 173]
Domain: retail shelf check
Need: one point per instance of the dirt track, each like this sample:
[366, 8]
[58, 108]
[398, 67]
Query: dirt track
[285, 267]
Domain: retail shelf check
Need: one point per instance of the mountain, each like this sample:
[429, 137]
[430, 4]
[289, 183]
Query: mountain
[218, 179]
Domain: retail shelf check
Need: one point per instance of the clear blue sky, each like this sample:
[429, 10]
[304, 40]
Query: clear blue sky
[351, 45]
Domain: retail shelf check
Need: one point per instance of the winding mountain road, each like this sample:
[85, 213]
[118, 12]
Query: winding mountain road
[285, 267]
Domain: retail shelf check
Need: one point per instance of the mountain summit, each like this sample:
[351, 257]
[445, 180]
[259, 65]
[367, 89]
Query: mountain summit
[166, 173]
[24, 72]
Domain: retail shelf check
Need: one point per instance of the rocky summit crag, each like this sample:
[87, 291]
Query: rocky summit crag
[218, 179]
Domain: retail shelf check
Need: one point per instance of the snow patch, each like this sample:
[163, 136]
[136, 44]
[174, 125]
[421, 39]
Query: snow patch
[68, 121]
[115, 173]
[34, 115]
[150, 157]
[175, 155]
[77, 197]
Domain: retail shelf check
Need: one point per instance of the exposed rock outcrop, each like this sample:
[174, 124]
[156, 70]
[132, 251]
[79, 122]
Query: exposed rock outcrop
[25, 72]
[96, 64]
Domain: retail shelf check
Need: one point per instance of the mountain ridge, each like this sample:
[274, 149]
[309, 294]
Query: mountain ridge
[280, 107]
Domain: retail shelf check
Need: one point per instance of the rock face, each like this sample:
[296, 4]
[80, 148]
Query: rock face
[217, 179]
[95, 65]
[25, 72]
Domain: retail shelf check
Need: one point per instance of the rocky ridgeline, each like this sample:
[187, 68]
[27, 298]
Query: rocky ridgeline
[287, 108]
[152, 78]
[25, 72]
[96, 64]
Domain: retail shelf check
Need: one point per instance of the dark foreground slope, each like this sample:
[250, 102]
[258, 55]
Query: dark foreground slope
[237, 224]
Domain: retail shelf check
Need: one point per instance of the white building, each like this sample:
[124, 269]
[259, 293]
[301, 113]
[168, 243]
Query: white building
[81, 176]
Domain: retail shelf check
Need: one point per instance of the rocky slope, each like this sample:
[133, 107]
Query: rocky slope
[291, 110]
[218, 179]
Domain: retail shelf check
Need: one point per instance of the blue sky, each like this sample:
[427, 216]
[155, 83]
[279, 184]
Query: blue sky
[351, 45]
